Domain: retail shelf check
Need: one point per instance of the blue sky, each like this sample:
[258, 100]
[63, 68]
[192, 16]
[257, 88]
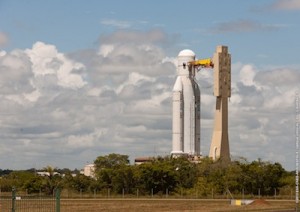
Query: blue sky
[254, 30]
[94, 77]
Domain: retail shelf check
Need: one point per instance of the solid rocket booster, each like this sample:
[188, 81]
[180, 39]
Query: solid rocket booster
[186, 107]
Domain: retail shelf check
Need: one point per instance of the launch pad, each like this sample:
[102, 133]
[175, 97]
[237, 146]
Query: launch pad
[186, 104]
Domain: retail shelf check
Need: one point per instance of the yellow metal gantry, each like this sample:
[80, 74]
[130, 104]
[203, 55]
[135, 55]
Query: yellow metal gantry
[204, 63]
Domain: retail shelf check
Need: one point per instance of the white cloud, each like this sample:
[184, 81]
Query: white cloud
[278, 77]
[66, 110]
[85, 140]
[136, 80]
[2, 53]
[15, 73]
[261, 113]
[105, 50]
[33, 96]
[50, 114]
[94, 92]
[247, 75]
[46, 60]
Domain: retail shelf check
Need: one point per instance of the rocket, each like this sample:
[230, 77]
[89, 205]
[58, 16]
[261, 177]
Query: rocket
[186, 108]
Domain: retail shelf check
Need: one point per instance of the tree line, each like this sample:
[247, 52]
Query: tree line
[113, 172]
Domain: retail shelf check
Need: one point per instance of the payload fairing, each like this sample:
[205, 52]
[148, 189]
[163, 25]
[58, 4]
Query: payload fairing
[186, 107]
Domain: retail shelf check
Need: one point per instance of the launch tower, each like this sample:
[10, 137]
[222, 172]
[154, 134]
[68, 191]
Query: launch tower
[222, 90]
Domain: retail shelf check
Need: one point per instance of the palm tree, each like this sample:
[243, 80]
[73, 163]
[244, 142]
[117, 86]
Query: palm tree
[52, 180]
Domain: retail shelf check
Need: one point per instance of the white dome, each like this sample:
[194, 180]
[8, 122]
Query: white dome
[186, 53]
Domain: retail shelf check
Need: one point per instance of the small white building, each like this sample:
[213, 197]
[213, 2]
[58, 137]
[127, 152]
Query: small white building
[43, 173]
[89, 170]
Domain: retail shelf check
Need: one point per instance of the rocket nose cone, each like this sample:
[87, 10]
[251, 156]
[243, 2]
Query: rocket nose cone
[186, 53]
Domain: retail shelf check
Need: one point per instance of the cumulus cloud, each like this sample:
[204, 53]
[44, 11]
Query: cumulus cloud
[265, 113]
[16, 73]
[93, 104]
[247, 74]
[279, 77]
[68, 109]
[46, 60]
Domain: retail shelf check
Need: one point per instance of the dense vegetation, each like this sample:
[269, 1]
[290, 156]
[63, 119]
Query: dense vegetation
[163, 174]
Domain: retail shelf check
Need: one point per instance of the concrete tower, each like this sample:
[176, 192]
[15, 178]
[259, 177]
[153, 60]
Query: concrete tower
[222, 90]
[186, 107]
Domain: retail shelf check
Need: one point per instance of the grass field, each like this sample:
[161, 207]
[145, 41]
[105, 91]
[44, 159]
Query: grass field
[153, 205]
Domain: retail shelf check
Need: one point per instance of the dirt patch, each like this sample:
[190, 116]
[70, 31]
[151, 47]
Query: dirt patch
[260, 202]
[149, 205]
[166, 205]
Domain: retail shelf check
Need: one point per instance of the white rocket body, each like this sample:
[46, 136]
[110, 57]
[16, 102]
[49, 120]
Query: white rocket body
[186, 108]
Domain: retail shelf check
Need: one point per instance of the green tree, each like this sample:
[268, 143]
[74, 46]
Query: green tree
[287, 183]
[113, 171]
[67, 180]
[233, 177]
[111, 161]
[262, 176]
[19, 178]
[107, 170]
[81, 183]
[214, 173]
[157, 176]
[186, 172]
[203, 187]
[51, 180]
[33, 184]
[124, 178]
[22, 180]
